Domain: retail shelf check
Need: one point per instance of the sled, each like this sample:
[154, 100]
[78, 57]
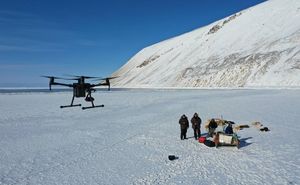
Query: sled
[223, 139]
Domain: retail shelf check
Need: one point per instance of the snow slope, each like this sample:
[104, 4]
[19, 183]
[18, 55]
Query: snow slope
[259, 47]
[129, 140]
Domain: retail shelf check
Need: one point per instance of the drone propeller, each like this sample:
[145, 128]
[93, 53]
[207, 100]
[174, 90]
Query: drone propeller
[107, 81]
[51, 80]
[71, 78]
[52, 77]
[78, 77]
[108, 78]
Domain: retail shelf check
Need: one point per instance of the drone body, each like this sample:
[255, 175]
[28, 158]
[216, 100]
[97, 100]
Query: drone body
[81, 89]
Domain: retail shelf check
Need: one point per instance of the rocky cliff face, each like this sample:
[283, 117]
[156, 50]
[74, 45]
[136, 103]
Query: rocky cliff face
[258, 47]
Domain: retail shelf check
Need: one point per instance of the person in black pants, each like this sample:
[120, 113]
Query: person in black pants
[184, 125]
[196, 124]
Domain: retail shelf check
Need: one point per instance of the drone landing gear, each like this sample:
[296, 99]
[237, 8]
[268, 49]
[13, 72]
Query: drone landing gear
[65, 106]
[95, 106]
[89, 98]
[76, 105]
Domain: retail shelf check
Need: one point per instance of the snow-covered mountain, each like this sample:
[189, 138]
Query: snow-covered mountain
[258, 47]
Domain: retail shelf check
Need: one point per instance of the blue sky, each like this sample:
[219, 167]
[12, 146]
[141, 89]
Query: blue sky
[93, 37]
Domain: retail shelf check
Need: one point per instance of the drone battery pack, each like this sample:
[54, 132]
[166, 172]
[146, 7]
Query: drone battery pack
[79, 91]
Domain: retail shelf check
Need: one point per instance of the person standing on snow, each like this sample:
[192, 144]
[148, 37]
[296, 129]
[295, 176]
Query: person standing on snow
[184, 125]
[196, 124]
[212, 127]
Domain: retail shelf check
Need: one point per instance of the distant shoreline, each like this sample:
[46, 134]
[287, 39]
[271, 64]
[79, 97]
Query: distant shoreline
[6, 90]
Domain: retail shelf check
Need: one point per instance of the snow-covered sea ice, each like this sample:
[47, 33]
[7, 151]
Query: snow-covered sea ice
[129, 140]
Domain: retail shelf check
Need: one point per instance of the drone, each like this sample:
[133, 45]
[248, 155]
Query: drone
[81, 89]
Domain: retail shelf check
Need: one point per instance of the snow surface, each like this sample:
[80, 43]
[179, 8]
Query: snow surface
[129, 140]
[258, 47]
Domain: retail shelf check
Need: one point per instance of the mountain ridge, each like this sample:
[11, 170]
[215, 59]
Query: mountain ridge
[257, 47]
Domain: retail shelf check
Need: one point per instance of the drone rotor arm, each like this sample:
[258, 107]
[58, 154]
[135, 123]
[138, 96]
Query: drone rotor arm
[62, 84]
[101, 84]
[96, 85]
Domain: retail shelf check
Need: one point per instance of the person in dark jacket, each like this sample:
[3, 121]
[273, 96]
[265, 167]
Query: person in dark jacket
[228, 129]
[196, 124]
[184, 125]
[212, 127]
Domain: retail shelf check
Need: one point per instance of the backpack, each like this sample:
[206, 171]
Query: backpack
[209, 143]
[202, 139]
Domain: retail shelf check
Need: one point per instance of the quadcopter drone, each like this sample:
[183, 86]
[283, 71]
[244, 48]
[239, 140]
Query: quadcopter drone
[81, 88]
